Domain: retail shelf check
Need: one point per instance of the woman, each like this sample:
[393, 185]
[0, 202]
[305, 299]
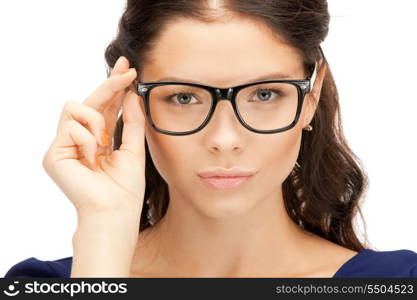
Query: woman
[261, 185]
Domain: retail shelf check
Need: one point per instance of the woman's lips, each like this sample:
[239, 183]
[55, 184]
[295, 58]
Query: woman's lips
[225, 182]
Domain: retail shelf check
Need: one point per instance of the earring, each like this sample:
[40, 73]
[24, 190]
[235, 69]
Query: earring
[308, 128]
[297, 164]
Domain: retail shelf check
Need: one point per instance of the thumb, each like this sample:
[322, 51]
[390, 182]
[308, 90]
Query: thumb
[133, 136]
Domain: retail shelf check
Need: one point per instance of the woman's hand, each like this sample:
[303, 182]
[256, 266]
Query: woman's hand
[117, 182]
[108, 196]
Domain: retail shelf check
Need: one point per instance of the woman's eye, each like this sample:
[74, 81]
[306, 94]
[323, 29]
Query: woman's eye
[267, 95]
[182, 98]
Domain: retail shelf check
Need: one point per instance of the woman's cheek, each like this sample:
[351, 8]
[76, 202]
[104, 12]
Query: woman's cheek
[158, 155]
[280, 157]
[170, 160]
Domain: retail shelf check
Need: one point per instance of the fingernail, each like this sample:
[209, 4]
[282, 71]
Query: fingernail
[105, 138]
[131, 70]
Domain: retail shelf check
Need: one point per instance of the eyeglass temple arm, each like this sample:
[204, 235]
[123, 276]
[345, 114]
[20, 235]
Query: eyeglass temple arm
[316, 65]
[313, 76]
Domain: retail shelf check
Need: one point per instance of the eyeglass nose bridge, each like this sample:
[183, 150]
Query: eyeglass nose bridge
[225, 93]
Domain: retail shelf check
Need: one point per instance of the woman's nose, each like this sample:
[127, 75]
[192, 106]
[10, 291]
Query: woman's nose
[224, 116]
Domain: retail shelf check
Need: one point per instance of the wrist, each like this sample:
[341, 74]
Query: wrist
[121, 227]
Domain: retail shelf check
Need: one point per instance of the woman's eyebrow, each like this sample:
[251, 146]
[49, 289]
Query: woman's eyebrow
[269, 76]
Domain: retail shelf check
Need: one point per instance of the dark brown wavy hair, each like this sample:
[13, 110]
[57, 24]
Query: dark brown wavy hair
[323, 192]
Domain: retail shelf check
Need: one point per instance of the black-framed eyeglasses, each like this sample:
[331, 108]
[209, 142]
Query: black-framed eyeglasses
[182, 108]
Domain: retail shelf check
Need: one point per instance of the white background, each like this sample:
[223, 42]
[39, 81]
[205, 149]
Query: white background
[53, 51]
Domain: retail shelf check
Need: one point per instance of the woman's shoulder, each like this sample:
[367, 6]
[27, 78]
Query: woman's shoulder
[375, 263]
[33, 267]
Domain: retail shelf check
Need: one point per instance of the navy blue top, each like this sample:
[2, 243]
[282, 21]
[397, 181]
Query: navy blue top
[366, 263]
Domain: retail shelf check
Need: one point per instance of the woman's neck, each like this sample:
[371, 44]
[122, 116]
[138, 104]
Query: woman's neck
[263, 240]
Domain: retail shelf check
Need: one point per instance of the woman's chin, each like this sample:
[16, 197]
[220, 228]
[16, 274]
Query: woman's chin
[225, 207]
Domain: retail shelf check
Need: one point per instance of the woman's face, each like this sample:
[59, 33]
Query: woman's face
[223, 55]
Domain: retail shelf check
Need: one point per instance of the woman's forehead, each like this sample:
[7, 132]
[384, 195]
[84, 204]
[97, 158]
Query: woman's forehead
[219, 50]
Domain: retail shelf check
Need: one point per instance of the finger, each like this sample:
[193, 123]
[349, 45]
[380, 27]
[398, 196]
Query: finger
[105, 93]
[120, 67]
[133, 137]
[111, 112]
[86, 116]
[74, 134]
